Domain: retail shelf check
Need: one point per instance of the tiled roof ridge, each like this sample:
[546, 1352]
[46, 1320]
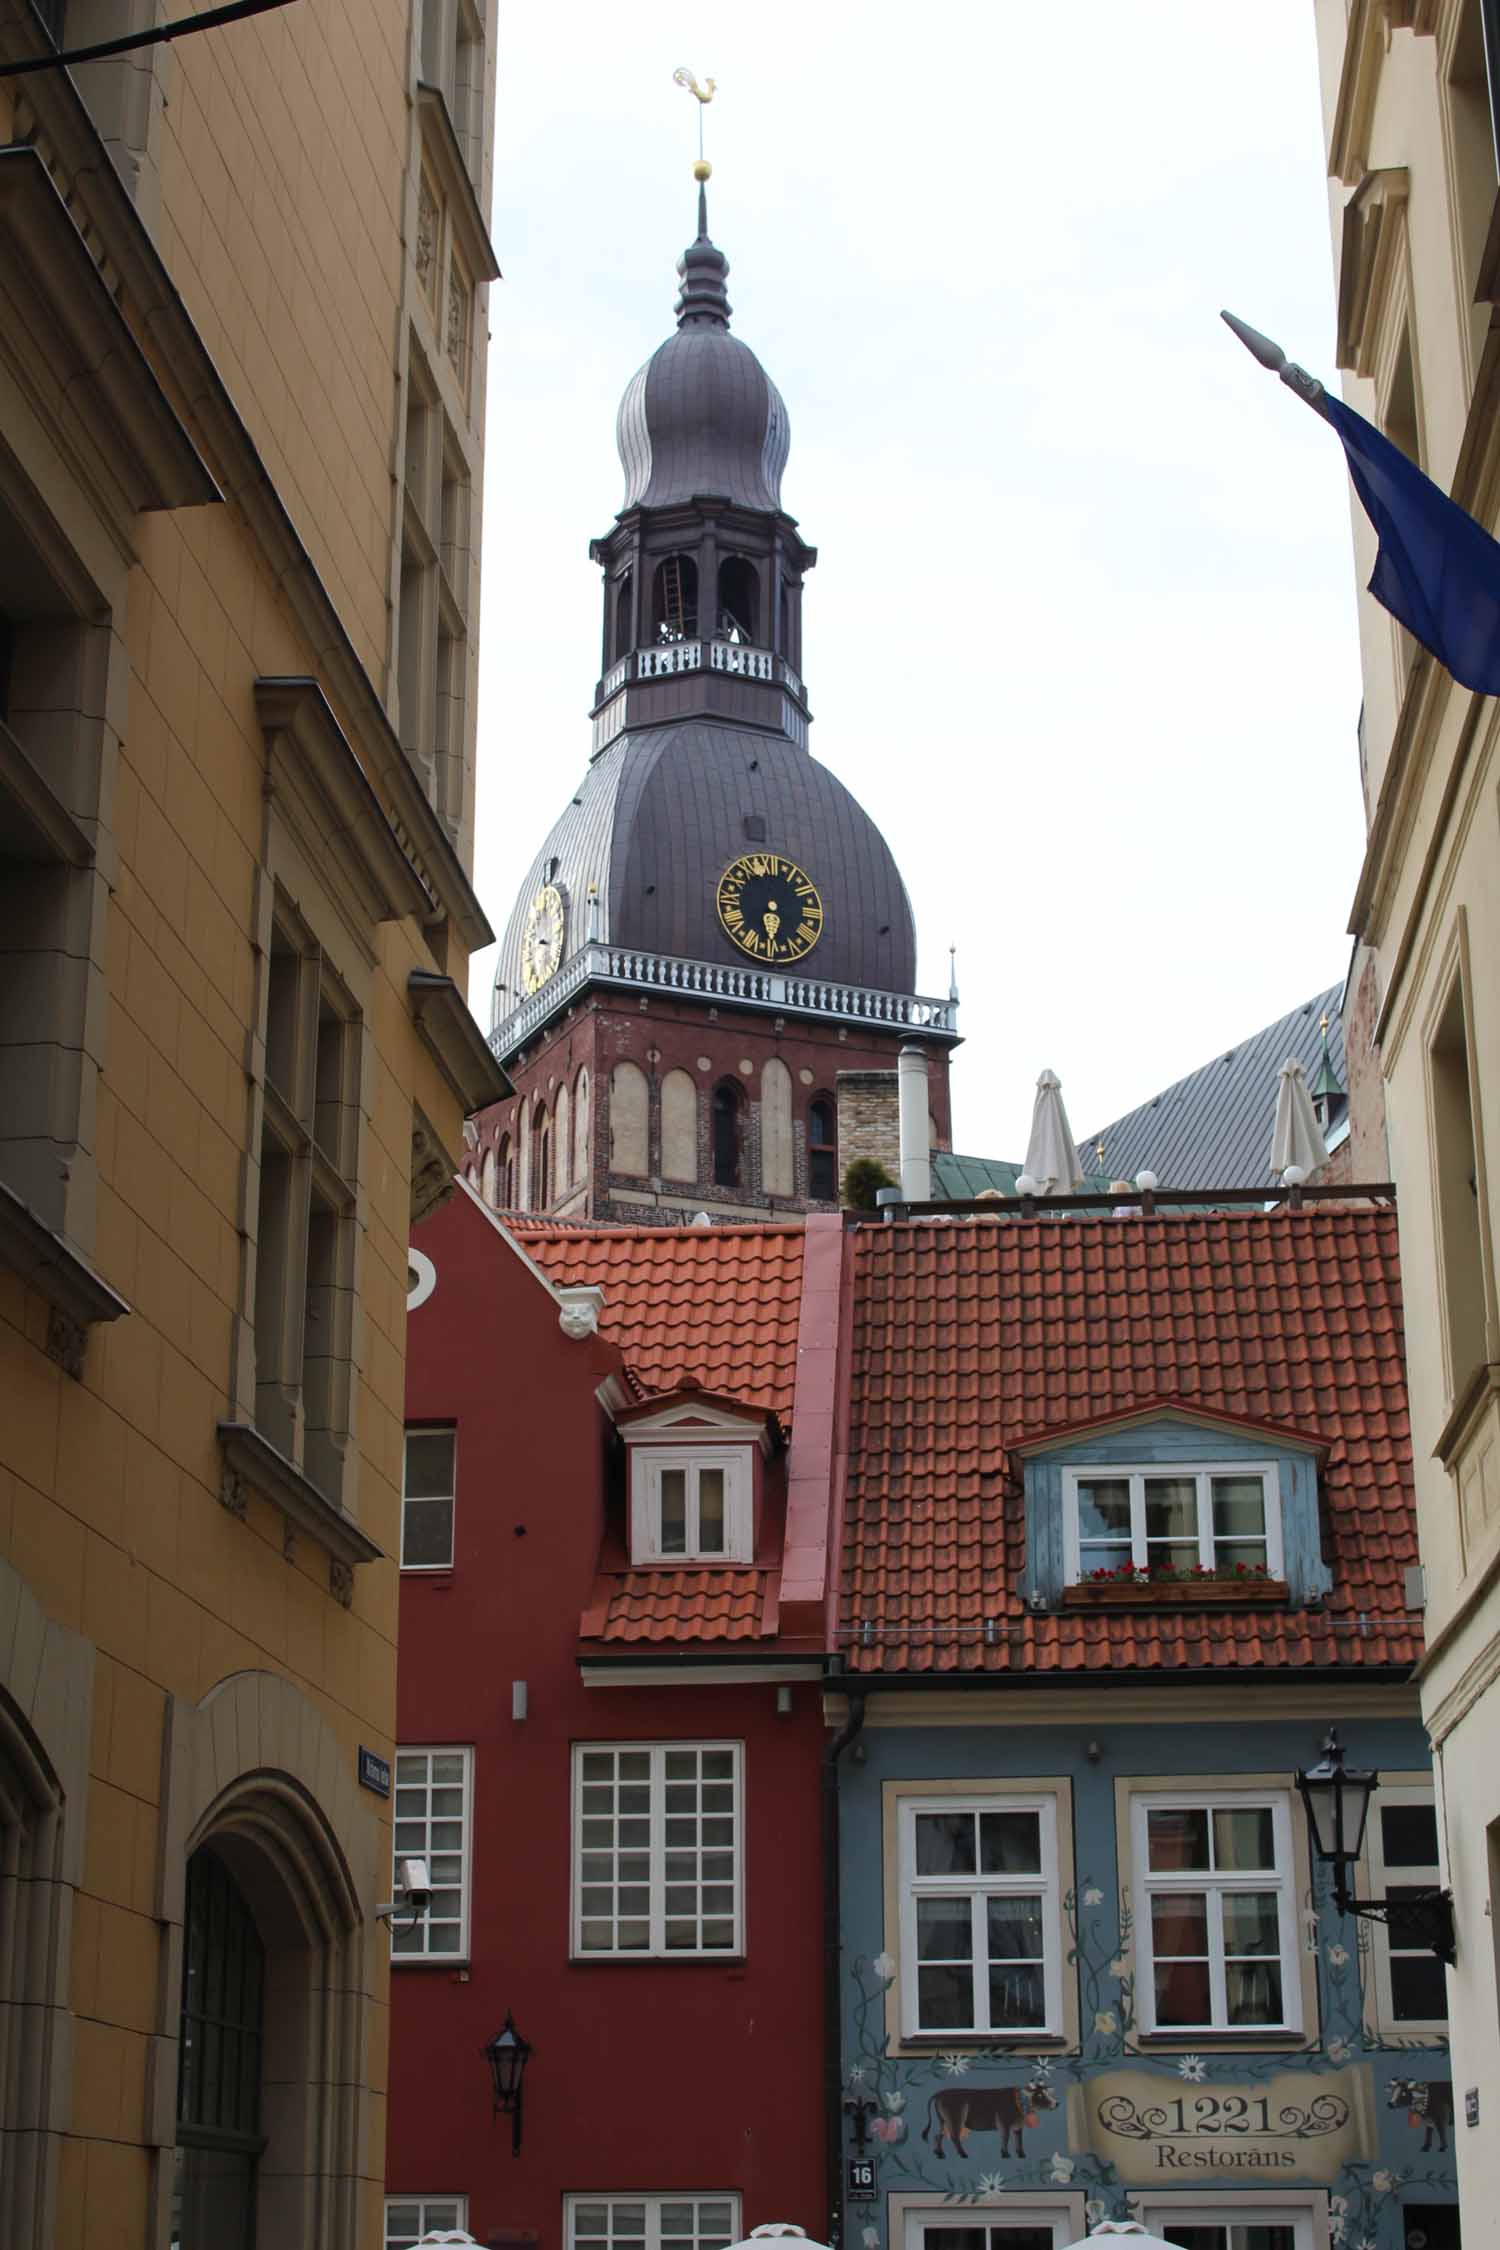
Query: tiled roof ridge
[572, 1230]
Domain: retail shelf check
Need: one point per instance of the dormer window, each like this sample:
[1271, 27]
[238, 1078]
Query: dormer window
[1220, 1520]
[694, 1466]
[689, 1506]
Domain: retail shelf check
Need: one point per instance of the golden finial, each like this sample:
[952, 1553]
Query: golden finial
[1323, 1023]
[703, 94]
[1099, 1152]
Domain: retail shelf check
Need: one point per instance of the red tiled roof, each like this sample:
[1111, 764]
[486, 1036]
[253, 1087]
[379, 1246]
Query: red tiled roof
[680, 1605]
[968, 1337]
[716, 1304]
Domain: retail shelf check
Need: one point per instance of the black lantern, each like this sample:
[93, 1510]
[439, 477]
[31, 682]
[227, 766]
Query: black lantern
[1337, 1800]
[507, 2055]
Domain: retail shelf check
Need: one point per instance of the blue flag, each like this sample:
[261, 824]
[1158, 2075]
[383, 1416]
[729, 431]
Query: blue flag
[1438, 571]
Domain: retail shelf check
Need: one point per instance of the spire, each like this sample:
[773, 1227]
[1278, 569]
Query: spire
[703, 270]
[1326, 1085]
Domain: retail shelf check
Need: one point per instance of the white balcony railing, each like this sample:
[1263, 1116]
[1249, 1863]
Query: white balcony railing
[712, 980]
[671, 657]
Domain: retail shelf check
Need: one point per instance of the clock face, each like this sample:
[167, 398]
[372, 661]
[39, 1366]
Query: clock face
[769, 908]
[542, 938]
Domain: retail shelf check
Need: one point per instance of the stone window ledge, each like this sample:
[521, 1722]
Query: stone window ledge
[253, 1464]
[73, 1290]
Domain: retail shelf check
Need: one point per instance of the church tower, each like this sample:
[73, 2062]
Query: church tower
[714, 946]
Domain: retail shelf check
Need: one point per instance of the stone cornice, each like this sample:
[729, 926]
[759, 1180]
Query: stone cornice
[251, 1461]
[101, 392]
[126, 251]
[311, 756]
[76, 1294]
[1374, 225]
[441, 143]
[455, 1041]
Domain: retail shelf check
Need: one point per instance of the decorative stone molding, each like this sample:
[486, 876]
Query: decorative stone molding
[579, 1307]
[76, 1297]
[455, 1042]
[109, 409]
[1365, 41]
[313, 769]
[1374, 236]
[341, 1582]
[432, 1170]
[252, 1463]
[440, 143]
[429, 217]
[233, 1492]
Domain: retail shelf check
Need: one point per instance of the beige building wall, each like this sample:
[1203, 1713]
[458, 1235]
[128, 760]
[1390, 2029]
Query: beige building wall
[1416, 231]
[234, 1054]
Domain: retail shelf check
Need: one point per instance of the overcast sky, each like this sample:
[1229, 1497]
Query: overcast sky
[1082, 633]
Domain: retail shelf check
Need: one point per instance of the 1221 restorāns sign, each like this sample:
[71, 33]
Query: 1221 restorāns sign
[1298, 2125]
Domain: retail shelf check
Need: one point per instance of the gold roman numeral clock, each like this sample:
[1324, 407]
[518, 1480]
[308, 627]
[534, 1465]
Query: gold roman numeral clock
[769, 907]
[542, 938]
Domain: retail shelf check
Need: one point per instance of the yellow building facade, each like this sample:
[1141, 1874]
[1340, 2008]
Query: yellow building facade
[243, 312]
[1411, 105]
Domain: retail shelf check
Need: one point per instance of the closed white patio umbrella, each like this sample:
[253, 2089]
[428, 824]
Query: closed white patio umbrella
[1297, 1145]
[1127, 2231]
[1052, 1166]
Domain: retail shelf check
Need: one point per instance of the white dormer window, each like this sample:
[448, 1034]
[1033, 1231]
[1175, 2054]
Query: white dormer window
[1214, 1519]
[691, 1505]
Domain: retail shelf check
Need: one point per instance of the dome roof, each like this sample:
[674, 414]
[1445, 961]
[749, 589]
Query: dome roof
[702, 415]
[662, 813]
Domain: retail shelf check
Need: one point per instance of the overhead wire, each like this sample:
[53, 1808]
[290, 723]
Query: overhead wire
[210, 19]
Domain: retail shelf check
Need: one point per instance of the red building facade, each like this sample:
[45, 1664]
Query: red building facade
[610, 1750]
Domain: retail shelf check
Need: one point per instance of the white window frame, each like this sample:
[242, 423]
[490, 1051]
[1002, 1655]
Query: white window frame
[1137, 1473]
[1307, 2214]
[646, 1465]
[1381, 1873]
[653, 2202]
[430, 2210]
[407, 1850]
[657, 1949]
[1282, 1879]
[1062, 2213]
[980, 1888]
[426, 1499]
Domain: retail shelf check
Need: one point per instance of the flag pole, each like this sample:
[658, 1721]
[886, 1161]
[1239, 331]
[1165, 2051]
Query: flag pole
[1307, 387]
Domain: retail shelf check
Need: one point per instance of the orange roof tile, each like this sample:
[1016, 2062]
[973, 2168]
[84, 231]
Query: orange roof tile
[679, 1605]
[716, 1304]
[969, 1337]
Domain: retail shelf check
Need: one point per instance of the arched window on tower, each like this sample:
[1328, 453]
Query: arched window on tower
[822, 1149]
[739, 599]
[674, 599]
[784, 643]
[728, 1111]
[623, 603]
[506, 1184]
[487, 1178]
[541, 1167]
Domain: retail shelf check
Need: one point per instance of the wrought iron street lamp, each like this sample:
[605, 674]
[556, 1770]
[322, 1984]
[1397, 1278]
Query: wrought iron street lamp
[1337, 1801]
[507, 2055]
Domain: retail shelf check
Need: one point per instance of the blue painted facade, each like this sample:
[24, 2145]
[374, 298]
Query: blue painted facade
[1396, 2148]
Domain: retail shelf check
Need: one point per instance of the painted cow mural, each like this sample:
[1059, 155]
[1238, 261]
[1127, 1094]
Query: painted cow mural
[1428, 2103]
[1007, 2110]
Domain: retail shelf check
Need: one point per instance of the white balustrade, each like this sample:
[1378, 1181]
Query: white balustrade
[750, 663]
[713, 980]
[672, 656]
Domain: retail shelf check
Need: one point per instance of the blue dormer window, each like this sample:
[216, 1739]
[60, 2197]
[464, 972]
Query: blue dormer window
[1171, 1494]
[1221, 1517]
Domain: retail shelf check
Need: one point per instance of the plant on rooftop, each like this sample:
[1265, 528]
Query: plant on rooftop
[863, 1180]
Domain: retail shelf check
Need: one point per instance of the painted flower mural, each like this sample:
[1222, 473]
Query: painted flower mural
[1193, 2068]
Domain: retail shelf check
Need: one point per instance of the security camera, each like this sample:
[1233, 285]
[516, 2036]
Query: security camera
[413, 1895]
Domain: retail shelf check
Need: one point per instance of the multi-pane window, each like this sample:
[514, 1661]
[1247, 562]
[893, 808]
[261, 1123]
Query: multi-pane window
[305, 1233]
[1033, 2230]
[657, 1854]
[691, 1507]
[432, 625]
[1181, 1521]
[980, 1930]
[453, 62]
[1410, 1982]
[1212, 2226]
[409, 2217]
[1215, 1915]
[427, 1500]
[652, 2222]
[433, 1823]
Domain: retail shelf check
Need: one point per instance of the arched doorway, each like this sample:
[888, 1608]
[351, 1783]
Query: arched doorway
[220, 2063]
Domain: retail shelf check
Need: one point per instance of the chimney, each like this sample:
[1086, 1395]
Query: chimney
[867, 1120]
[916, 1167]
[579, 1306]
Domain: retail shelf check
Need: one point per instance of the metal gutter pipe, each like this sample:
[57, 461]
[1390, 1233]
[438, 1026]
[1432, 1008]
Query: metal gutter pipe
[833, 2074]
